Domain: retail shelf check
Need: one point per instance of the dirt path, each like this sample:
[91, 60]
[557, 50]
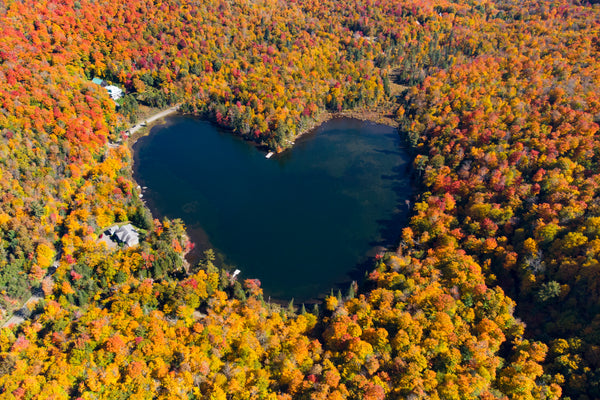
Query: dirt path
[21, 314]
[153, 118]
[24, 312]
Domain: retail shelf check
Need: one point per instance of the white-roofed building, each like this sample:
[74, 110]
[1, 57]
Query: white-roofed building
[115, 92]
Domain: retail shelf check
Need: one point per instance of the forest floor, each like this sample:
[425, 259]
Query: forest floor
[383, 114]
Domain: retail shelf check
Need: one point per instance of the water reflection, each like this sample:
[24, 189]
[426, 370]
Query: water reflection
[302, 221]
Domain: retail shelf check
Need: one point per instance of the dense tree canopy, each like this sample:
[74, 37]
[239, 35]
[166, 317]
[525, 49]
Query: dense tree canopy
[499, 101]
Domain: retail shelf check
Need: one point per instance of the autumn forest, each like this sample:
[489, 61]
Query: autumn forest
[493, 289]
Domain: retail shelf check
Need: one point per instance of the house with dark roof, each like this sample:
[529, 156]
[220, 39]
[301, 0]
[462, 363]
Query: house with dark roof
[126, 234]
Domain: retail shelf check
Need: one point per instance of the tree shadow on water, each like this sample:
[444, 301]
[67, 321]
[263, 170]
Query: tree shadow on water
[398, 152]
[390, 229]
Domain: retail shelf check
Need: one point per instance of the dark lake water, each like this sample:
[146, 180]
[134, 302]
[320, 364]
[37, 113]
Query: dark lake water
[304, 221]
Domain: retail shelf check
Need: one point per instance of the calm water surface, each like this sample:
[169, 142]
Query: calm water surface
[303, 221]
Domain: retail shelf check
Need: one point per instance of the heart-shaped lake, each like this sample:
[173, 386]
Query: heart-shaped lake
[303, 221]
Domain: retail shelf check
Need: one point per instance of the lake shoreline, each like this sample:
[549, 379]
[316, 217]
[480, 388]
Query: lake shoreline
[370, 115]
[378, 115]
[340, 279]
[367, 115]
[143, 126]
